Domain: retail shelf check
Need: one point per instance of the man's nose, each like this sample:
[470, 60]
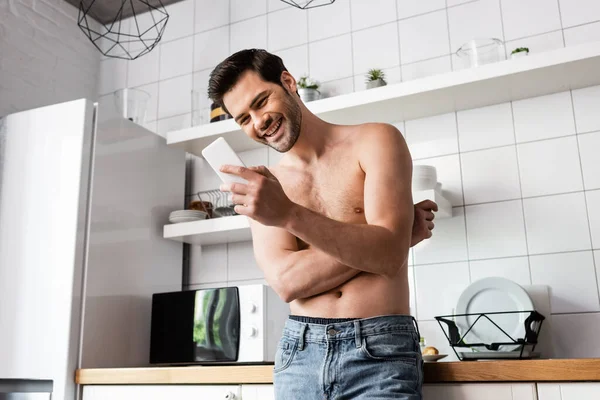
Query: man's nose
[263, 124]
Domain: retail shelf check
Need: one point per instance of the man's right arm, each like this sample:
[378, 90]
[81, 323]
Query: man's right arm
[294, 273]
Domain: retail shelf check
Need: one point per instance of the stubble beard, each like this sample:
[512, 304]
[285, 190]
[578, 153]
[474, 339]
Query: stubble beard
[293, 122]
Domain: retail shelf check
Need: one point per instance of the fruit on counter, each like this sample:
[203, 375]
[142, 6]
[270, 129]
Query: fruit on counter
[430, 350]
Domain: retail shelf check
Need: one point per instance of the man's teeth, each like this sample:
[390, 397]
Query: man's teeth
[274, 129]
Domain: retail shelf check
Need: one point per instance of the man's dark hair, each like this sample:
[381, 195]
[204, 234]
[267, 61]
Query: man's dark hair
[226, 74]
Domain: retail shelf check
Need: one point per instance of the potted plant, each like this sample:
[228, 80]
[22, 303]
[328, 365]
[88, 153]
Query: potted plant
[375, 78]
[308, 89]
[519, 52]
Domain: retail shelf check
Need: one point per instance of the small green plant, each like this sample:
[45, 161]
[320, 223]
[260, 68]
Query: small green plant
[305, 82]
[375, 74]
[520, 49]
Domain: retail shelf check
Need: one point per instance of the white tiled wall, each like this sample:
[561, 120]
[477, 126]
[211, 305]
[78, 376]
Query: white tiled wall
[44, 57]
[523, 177]
[337, 44]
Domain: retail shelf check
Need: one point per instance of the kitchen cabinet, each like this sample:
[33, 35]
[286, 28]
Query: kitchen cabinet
[478, 391]
[162, 392]
[568, 391]
[503, 391]
[258, 392]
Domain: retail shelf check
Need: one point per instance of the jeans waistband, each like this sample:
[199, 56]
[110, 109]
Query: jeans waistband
[320, 321]
[309, 330]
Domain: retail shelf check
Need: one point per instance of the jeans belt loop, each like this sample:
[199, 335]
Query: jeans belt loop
[357, 336]
[301, 338]
[415, 323]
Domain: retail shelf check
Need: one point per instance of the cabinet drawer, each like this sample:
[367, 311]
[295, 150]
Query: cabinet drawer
[478, 391]
[161, 392]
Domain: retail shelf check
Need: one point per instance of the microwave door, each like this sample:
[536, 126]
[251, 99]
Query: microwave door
[230, 326]
[209, 322]
[216, 325]
[204, 326]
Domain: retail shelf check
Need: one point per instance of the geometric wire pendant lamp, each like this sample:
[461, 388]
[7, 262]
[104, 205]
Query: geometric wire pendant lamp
[118, 40]
[306, 4]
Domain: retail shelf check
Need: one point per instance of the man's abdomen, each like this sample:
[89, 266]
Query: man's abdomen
[366, 295]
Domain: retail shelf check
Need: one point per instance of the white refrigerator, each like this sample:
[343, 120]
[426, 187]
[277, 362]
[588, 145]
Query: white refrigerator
[82, 206]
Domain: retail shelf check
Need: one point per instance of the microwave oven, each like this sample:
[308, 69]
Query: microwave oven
[239, 324]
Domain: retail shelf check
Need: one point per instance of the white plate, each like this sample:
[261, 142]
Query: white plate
[187, 213]
[433, 357]
[176, 220]
[493, 295]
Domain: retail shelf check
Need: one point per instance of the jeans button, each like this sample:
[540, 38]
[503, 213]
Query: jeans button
[331, 332]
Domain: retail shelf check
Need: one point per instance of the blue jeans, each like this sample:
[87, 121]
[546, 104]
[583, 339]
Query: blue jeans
[341, 359]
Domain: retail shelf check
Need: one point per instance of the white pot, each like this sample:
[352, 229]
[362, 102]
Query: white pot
[377, 83]
[309, 94]
[519, 54]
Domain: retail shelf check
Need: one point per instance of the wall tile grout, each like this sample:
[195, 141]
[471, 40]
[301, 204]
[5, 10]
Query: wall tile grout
[514, 128]
[352, 48]
[502, 21]
[562, 28]
[364, 29]
[462, 187]
[506, 257]
[399, 42]
[449, 38]
[587, 214]
[580, 25]
[504, 145]
[577, 313]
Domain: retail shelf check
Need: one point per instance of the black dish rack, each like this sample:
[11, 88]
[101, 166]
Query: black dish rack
[481, 351]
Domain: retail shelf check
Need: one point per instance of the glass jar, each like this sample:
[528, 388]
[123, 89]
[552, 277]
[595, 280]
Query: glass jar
[478, 52]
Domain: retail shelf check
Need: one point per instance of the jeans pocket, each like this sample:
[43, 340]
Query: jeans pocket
[286, 349]
[391, 347]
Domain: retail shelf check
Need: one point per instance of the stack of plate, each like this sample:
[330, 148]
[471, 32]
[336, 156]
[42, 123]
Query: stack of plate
[186, 216]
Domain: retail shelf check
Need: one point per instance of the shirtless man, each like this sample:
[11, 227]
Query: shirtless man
[332, 224]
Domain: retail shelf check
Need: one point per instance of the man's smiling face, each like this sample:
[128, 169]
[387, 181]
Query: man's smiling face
[266, 112]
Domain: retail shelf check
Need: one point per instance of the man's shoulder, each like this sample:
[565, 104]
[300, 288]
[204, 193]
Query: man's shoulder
[378, 141]
[376, 129]
[377, 133]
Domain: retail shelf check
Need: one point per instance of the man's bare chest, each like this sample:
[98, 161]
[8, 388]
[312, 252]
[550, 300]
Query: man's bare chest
[334, 191]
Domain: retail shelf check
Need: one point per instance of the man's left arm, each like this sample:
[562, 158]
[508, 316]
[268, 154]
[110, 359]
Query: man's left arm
[380, 246]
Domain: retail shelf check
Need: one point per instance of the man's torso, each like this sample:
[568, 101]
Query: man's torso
[334, 186]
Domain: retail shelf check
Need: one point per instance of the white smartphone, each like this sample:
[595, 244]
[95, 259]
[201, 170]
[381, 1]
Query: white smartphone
[219, 153]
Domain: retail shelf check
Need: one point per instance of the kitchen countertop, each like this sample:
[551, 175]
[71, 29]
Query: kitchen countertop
[558, 370]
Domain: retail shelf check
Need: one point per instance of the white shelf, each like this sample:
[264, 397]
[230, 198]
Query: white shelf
[237, 228]
[535, 75]
[210, 231]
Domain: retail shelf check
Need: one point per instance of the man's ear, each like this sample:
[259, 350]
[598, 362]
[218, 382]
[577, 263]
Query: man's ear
[288, 81]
